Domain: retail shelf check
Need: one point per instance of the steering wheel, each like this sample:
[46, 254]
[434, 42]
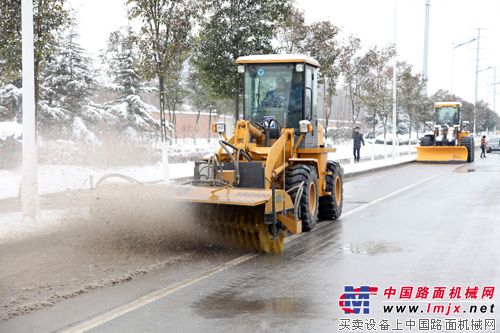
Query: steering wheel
[267, 123]
[258, 125]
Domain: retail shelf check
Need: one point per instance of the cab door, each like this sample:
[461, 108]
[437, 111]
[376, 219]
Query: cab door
[311, 104]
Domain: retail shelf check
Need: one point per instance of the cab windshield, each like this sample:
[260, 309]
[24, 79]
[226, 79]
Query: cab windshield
[273, 92]
[447, 115]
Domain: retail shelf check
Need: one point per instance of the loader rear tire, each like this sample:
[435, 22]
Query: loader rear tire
[468, 143]
[308, 205]
[330, 206]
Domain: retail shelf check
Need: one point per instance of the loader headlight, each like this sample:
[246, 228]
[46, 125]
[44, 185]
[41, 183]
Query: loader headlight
[305, 126]
[241, 69]
[219, 127]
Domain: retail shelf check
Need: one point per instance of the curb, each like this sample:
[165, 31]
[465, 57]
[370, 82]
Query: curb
[377, 169]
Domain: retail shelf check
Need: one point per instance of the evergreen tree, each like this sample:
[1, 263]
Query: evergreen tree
[67, 83]
[49, 18]
[121, 57]
[236, 28]
[10, 102]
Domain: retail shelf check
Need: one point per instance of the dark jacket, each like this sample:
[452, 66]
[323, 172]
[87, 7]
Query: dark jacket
[358, 140]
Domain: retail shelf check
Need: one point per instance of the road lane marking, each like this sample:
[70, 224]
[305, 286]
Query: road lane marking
[368, 204]
[158, 294]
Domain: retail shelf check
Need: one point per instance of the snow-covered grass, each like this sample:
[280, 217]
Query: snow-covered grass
[60, 178]
[10, 129]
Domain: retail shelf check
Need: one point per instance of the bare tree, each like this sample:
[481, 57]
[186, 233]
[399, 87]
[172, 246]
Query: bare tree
[166, 27]
[354, 69]
[377, 94]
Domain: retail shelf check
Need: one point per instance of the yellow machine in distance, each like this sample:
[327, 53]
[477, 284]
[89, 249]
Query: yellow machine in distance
[272, 175]
[447, 141]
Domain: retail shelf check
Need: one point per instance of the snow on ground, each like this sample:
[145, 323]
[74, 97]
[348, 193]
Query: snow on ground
[13, 227]
[60, 178]
[350, 168]
[344, 150]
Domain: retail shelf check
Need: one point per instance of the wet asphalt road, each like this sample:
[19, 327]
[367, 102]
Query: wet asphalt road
[419, 224]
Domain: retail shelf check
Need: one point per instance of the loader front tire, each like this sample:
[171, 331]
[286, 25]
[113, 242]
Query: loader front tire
[468, 143]
[308, 204]
[330, 206]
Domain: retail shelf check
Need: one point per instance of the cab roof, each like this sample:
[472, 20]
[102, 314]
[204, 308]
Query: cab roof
[277, 58]
[443, 104]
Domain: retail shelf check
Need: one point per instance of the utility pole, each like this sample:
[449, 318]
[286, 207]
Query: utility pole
[478, 38]
[394, 77]
[494, 84]
[426, 45]
[29, 181]
[495, 89]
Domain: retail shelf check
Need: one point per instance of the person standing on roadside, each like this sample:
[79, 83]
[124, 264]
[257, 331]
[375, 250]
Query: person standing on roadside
[357, 141]
[483, 146]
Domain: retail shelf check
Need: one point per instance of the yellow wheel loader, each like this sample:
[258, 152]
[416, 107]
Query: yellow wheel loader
[447, 140]
[271, 177]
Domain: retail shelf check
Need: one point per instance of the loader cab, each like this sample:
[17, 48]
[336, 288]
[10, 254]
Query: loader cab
[280, 91]
[447, 113]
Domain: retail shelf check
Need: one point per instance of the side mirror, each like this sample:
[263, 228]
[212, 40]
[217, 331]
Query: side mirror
[219, 128]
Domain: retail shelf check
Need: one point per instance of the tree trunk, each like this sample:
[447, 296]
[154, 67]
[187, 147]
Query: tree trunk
[373, 122]
[163, 127]
[409, 131]
[324, 108]
[174, 125]
[209, 125]
[37, 88]
[195, 134]
[353, 112]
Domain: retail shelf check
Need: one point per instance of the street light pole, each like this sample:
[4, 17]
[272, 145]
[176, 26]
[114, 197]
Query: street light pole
[453, 61]
[29, 182]
[495, 89]
[426, 45]
[394, 77]
[478, 38]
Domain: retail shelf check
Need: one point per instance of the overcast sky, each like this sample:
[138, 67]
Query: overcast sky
[451, 21]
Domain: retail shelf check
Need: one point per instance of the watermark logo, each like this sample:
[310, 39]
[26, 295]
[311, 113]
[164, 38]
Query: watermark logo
[357, 300]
